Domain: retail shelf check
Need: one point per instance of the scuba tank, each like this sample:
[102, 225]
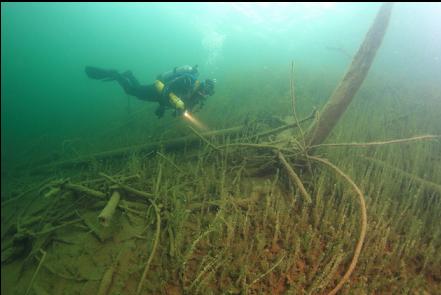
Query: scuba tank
[164, 78]
[178, 71]
[174, 100]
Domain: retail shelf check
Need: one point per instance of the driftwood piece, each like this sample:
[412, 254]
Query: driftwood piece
[169, 145]
[121, 178]
[85, 190]
[294, 178]
[203, 138]
[97, 194]
[25, 241]
[106, 281]
[158, 224]
[378, 143]
[36, 272]
[155, 245]
[101, 233]
[127, 188]
[54, 228]
[21, 195]
[354, 77]
[60, 274]
[125, 151]
[285, 127]
[106, 215]
[363, 224]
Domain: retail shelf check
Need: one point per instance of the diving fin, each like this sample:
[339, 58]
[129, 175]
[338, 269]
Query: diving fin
[101, 74]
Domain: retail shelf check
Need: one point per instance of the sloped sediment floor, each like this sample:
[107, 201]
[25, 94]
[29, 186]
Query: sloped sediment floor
[231, 225]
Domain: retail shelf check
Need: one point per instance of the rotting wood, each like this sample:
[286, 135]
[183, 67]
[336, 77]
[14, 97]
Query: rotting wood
[107, 213]
[107, 279]
[203, 138]
[155, 245]
[285, 127]
[294, 178]
[125, 151]
[36, 272]
[363, 224]
[21, 195]
[169, 145]
[377, 143]
[85, 190]
[97, 194]
[351, 82]
[127, 188]
[121, 178]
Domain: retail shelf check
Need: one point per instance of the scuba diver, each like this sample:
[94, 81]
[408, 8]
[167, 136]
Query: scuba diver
[178, 89]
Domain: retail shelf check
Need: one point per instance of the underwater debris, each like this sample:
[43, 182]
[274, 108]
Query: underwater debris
[354, 77]
[43, 257]
[107, 213]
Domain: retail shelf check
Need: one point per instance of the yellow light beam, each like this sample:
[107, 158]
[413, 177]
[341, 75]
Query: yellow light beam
[194, 121]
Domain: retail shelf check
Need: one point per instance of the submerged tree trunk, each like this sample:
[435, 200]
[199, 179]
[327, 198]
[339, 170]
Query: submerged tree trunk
[167, 145]
[354, 77]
